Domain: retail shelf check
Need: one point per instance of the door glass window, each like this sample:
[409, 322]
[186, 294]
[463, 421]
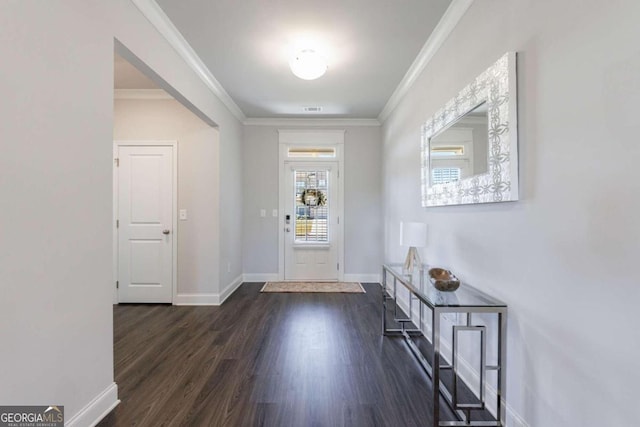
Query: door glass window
[311, 206]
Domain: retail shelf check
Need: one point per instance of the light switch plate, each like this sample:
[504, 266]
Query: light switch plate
[263, 213]
[183, 214]
[275, 213]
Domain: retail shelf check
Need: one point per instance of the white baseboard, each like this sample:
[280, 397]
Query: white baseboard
[197, 299]
[468, 374]
[208, 299]
[362, 278]
[230, 288]
[514, 419]
[260, 277]
[97, 409]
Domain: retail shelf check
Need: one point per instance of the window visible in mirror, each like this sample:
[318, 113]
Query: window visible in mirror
[444, 175]
[447, 151]
[463, 145]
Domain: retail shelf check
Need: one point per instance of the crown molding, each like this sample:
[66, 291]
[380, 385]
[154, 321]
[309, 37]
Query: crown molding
[156, 16]
[311, 122]
[141, 94]
[450, 19]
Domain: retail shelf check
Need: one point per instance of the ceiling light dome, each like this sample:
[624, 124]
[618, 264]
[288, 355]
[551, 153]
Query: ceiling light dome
[308, 64]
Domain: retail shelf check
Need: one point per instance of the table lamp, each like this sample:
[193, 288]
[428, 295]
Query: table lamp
[414, 235]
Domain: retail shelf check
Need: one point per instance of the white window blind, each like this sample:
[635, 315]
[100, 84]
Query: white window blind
[444, 175]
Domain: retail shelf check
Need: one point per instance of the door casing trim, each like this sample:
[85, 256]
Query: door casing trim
[174, 200]
[317, 138]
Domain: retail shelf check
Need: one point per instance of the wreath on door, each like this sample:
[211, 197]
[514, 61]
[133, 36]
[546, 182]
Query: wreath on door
[313, 197]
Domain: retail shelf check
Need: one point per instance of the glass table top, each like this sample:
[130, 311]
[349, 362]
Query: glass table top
[420, 284]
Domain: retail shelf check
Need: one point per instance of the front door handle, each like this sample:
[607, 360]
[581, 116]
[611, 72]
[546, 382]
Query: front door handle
[166, 231]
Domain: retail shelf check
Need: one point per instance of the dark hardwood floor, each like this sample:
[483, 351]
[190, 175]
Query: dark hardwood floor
[266, 359]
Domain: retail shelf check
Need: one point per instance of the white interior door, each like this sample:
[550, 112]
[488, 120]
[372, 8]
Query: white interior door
[311, 219]
[145, 187]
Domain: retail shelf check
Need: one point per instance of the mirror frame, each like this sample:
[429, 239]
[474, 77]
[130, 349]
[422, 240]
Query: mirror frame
[497, 86]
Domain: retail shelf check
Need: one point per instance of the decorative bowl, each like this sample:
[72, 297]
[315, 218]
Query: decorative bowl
[443, 280]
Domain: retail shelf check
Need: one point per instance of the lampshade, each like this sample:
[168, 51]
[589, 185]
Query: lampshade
[413, 234]
[308, 64]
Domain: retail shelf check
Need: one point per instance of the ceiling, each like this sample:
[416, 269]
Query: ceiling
[247, 44]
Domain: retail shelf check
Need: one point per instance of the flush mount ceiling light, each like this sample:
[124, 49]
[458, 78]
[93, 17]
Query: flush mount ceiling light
[308, 64]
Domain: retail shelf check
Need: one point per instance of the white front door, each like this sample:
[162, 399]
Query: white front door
[311, 219]
[145, 216]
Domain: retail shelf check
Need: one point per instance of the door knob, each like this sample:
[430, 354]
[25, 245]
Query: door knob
[287, 229]
[165, 232]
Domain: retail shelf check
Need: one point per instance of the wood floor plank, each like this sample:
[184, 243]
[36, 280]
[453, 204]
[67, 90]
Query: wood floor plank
[266, 359]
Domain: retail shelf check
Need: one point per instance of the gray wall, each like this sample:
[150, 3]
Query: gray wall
[363, 215]
[231, 208]
[564, 257]
[198, 183]
[56, 82]
[260, 239]
[480, 148]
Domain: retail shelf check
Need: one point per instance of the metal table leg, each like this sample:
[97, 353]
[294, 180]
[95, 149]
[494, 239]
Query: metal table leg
[502, 374]
[435, 368]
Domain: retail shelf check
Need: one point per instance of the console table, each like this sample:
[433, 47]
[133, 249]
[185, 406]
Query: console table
[466, 300]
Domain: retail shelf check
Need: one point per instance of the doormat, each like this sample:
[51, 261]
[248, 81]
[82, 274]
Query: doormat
[339, 287]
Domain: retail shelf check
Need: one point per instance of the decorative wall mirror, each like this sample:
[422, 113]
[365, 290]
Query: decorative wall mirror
[470, 147]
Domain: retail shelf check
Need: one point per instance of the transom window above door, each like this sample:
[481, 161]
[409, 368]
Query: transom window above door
[311, 152]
